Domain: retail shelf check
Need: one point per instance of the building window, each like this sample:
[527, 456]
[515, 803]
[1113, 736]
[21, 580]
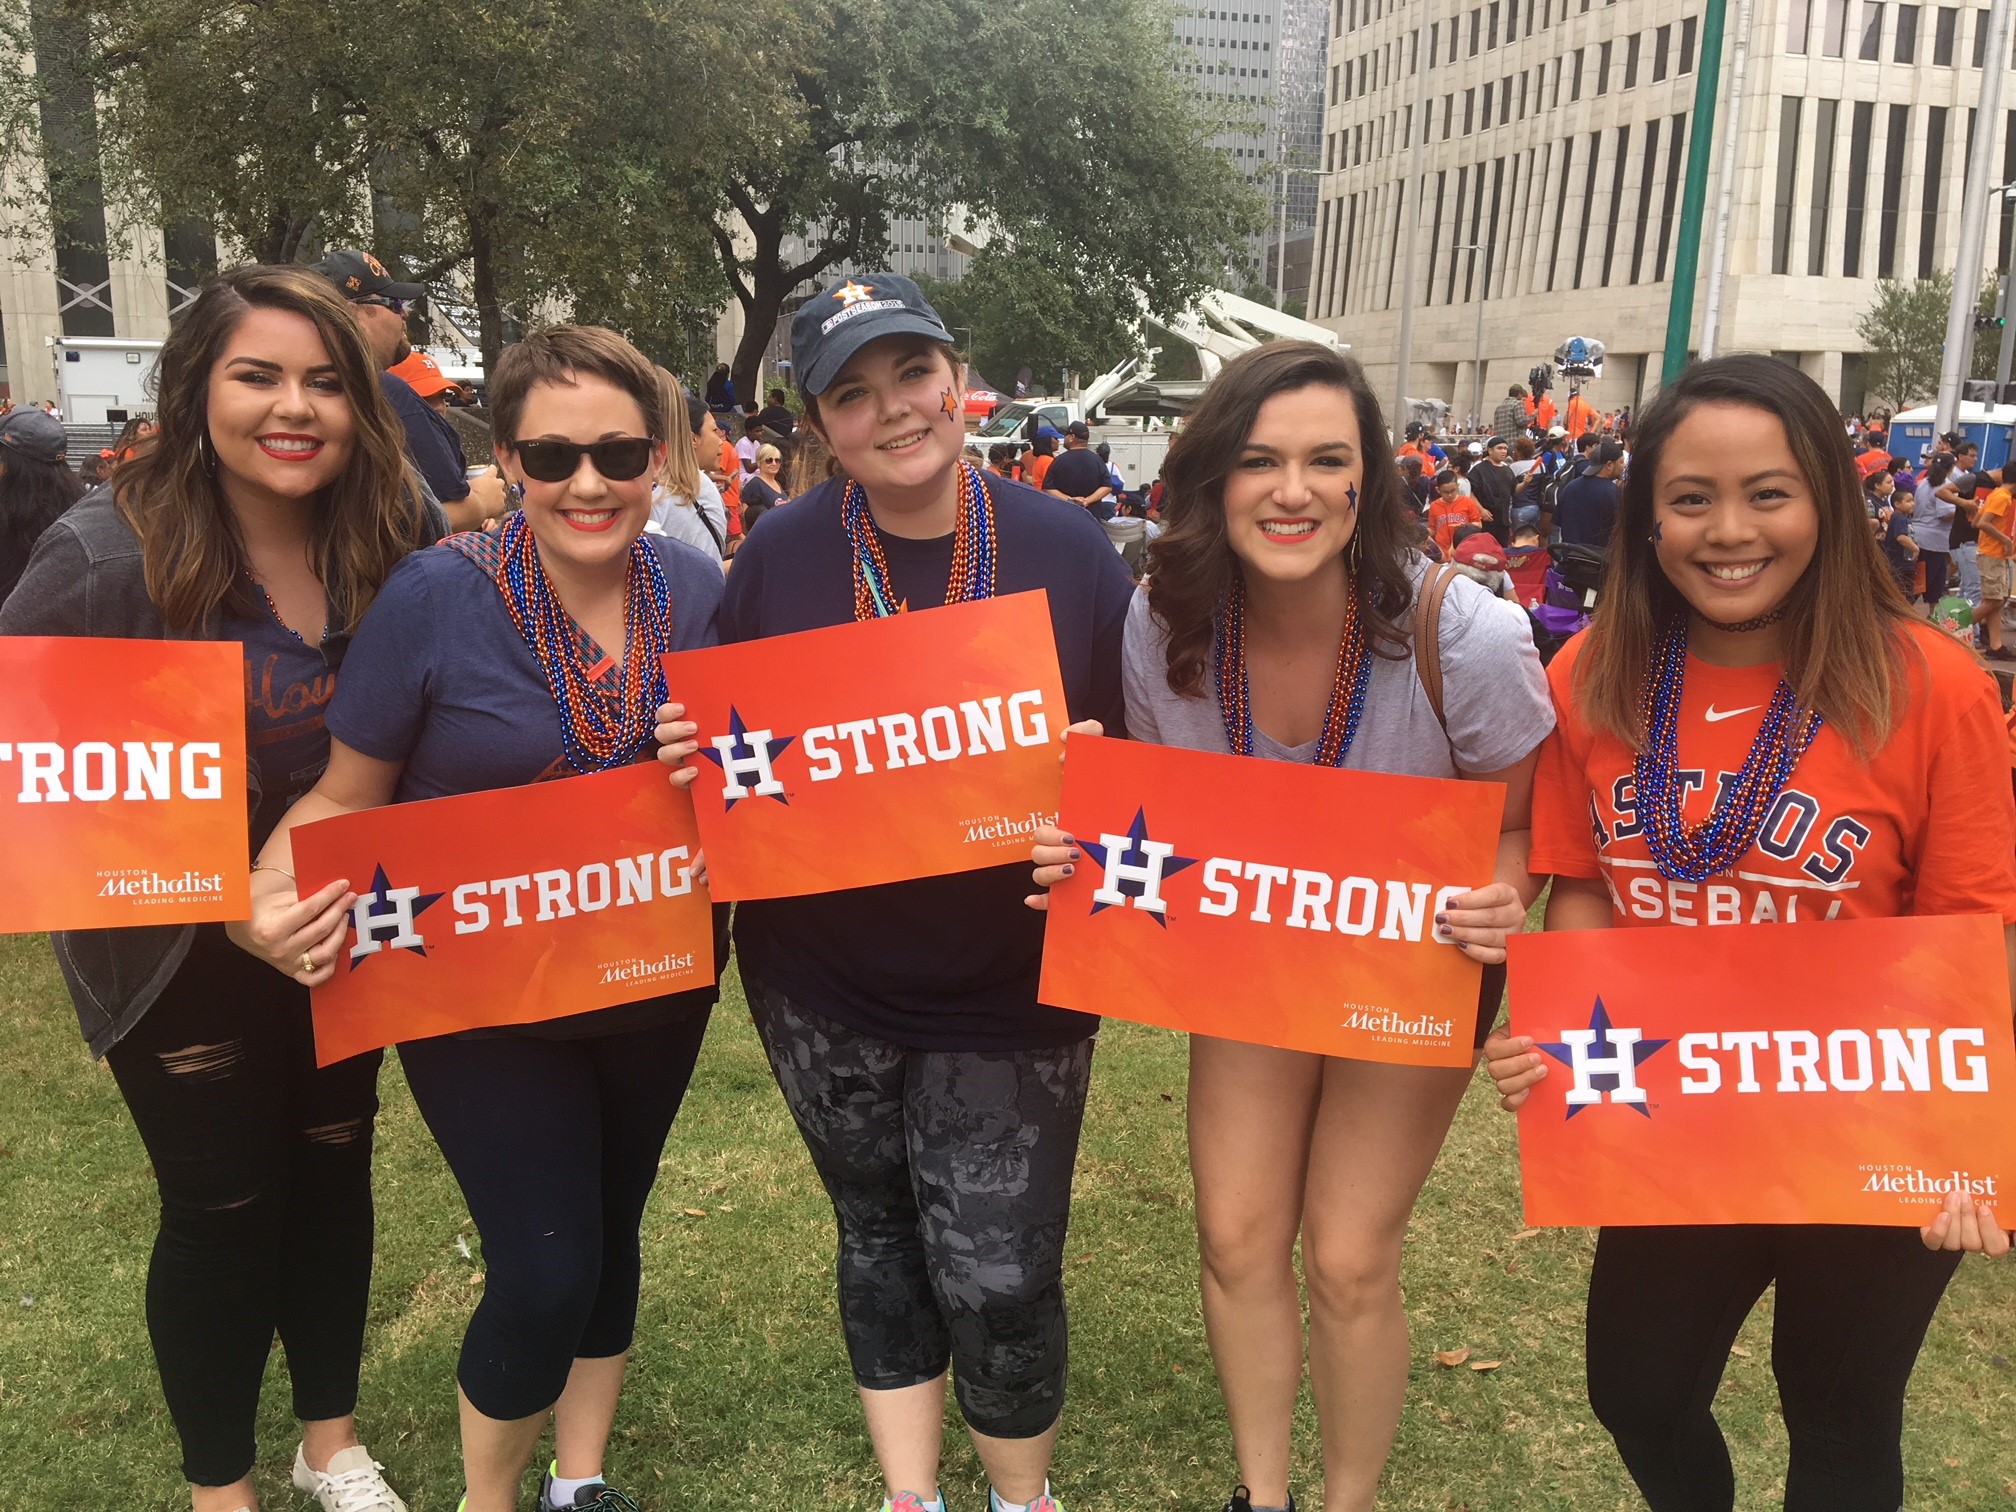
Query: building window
[1522, 94]
[1980, 38]
[1603, 70]
[1469, 109]
[1588, 205]
[1798, 22]
[1511, 22]
[1476, 30]
[1890, 210]
[1675, 145]
[1575, 81]
[1489, 89]
[1661, 41]
[1616, 200]
[1648, 165]
[1788, 173]
[1505, 102]
[1872, 33]
[1946, 31]
[1905, 50]
[1631, 60]
[1448, 116]
[1491, 26]
[1560, 210]
[1858, 188]
[1826, 121]
[1833, 29]
[1935, 168]
[1435, 241]
[1686, 47]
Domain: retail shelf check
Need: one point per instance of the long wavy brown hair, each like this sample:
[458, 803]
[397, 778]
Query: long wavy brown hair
[363, 523]
[1844, 633]
[1191, 566]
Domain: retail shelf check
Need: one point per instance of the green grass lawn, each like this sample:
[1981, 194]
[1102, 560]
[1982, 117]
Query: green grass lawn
[739, 1394]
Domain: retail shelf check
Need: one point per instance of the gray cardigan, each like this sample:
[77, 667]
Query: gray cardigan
[86, 578]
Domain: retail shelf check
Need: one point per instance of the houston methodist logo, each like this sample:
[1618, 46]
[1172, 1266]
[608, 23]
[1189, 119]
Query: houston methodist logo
[387, 917]
[1135, 866]
[882, 742]
[1604, 1058]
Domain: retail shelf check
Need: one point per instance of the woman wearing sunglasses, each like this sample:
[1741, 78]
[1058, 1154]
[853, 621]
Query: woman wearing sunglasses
[496, 660]
[939, 1099]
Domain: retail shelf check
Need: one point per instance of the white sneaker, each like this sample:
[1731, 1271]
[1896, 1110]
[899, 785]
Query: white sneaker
[350, 1484]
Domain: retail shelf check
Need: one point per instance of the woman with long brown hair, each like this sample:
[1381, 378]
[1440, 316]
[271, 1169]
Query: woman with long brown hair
[1753, 656]
[267, 510]
[1278, 620]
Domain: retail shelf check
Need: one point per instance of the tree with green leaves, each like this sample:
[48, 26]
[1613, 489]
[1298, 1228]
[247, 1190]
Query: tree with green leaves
[1060, 127]
[1902, 333]
[1018, 312]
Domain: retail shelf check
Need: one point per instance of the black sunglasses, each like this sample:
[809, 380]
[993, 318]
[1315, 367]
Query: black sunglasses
[396, 306]
[619, 460]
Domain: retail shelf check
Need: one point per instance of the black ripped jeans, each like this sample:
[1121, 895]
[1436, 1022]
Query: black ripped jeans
[264, 1166]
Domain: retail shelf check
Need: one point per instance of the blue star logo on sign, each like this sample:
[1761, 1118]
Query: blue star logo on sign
[1131, 883]
[383, 918]
[1604, 1060]
[743, 754]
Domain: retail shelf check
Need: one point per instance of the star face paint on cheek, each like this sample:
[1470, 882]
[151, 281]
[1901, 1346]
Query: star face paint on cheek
[949, 403]
[1658, 531]
[1351, 493]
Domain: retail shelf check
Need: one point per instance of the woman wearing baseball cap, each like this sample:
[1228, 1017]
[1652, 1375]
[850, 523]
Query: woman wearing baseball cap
[940, 1100]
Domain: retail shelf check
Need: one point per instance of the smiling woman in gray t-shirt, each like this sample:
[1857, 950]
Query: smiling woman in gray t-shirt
[1276, 622]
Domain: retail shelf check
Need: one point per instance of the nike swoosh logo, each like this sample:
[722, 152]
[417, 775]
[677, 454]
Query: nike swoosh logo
[1716, 716]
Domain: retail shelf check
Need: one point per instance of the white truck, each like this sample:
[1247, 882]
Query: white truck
[102, 380]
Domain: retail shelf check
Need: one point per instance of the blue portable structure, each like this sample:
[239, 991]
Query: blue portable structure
[1988, 426]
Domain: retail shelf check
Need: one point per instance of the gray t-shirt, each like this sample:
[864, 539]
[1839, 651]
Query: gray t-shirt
[1493, 690]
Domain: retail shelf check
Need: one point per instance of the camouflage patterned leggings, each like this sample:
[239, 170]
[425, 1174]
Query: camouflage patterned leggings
[950, 1174]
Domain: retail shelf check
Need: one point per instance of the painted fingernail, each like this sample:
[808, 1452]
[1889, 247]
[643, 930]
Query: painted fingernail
[1442, 918]
[1068, 870]
[1075, 856]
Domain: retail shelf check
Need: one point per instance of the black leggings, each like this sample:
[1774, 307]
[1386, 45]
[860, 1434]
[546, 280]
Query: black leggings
[555, 1144]
[264, 1167]
[1851, 1310]
[1936, 566]
[950, 1174]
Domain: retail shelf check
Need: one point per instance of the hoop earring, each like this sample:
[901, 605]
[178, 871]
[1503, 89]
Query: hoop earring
[206, 451]
[1354, 552]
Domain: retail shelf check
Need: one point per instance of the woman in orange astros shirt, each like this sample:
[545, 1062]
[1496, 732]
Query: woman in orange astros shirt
[1748, 600]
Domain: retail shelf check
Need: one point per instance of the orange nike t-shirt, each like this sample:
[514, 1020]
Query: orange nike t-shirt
[1927, 826]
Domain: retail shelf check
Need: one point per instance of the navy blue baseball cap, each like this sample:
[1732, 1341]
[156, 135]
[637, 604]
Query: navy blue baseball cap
[837, 322]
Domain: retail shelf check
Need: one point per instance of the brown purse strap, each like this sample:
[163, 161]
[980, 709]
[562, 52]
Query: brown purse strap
[1428, 633]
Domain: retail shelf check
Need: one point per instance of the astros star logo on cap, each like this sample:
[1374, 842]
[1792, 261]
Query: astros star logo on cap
[851, 292]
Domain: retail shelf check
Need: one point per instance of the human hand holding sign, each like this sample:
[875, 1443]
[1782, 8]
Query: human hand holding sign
[298, 937]
[1055, 853]
[678, 739]
[1965, 1224]
[1515, 1067]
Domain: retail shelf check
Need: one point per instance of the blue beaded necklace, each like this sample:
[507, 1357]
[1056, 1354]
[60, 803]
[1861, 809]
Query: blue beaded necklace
[1686, 852]
[601, 725]
[1235, 690]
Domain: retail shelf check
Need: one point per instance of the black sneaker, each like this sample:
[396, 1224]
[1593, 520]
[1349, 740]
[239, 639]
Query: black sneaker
[1242, 1500]
[595, 1497]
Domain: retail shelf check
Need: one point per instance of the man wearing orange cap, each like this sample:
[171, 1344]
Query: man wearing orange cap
[424, 376]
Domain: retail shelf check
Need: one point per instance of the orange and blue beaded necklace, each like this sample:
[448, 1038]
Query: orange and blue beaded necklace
[604, 723]
[1686, 852]
[972, 549]
[1235, 690]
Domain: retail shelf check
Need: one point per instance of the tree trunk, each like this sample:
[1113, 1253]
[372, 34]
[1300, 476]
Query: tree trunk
[766, 283]
[483, 283]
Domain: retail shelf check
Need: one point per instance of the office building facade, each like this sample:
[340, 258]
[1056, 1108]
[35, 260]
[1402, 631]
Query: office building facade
[1552, 144]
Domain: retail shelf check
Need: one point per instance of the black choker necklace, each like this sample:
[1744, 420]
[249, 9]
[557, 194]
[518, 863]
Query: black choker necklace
[1755, 622]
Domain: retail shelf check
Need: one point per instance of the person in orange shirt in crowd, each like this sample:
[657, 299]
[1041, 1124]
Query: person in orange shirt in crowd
[1041, 454]
[1875, 454]
[1997, 528]
[1542, 412]
[1581, 415]
[1875, 770]
[1450, 510]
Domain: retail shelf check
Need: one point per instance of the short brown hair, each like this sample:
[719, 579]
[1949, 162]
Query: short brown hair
[1191, 566]
[556, 355]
